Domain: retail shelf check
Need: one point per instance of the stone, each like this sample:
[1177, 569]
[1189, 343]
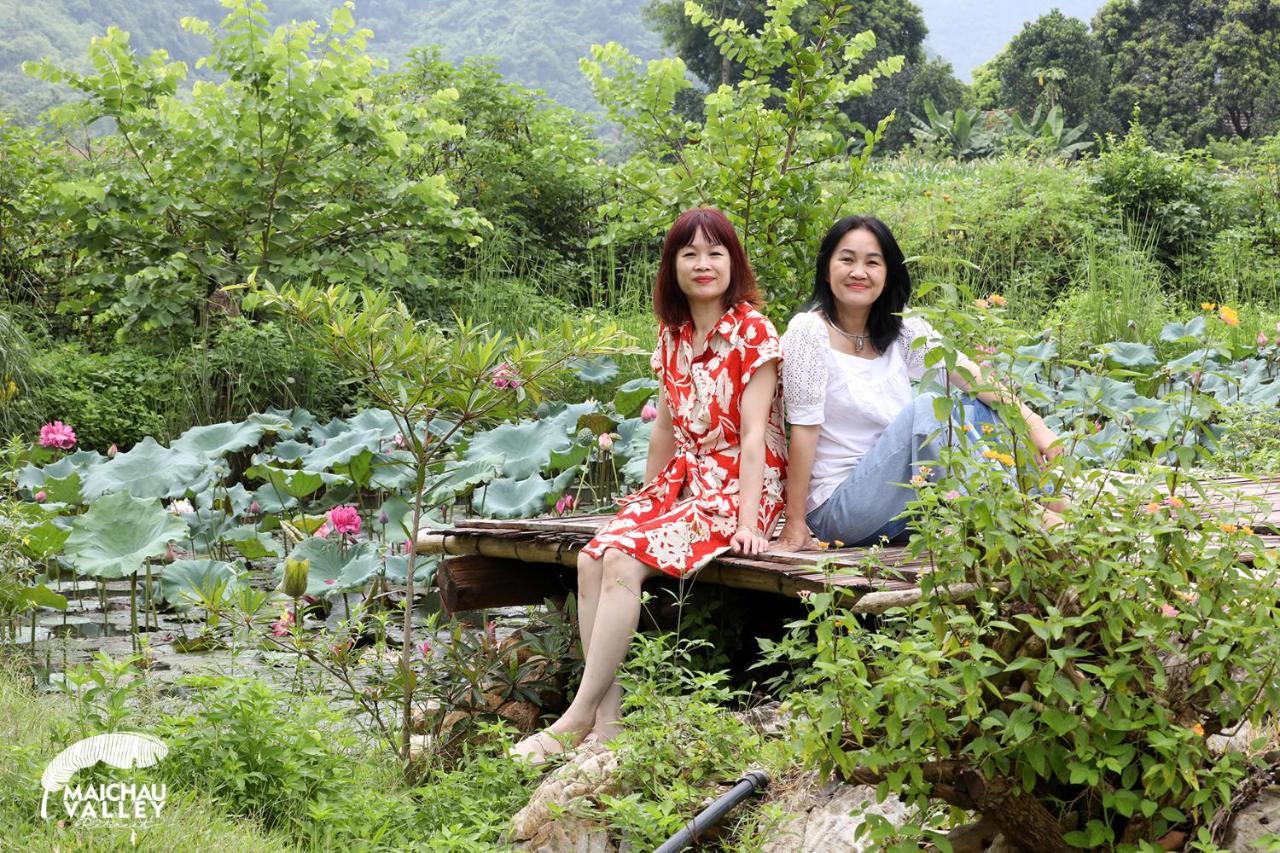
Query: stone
[72, 626]
[1256, 827]
[547, 822]
[819, 817]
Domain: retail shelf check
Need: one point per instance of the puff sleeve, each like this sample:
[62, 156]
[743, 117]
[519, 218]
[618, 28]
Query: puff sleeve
[804, 372]
[913, 328]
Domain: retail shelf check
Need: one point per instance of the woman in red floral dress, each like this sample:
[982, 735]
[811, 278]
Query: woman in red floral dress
[717, 461]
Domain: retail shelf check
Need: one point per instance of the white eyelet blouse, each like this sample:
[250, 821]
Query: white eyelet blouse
[853, 399]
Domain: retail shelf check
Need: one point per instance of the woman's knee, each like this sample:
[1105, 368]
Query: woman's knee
[622, 571]
[590, 570]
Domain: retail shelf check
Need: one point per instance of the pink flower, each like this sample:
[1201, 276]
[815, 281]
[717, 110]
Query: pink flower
[408, 545]
[606, 442]
[986, 349]
[345, 519]
[401, 441]
[505, 376]
[330, 581]
[322, 531]
[57, 434]
[565, 504]
[649, 412]
[1262, 340]
[41, 497]
[425, 648]
[281, 626]
[951, 495]
[112, 451]
[918, 482]
[1169, 610]
[255, 508]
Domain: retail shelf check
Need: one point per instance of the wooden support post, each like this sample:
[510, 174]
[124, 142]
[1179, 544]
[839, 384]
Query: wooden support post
[477, 582]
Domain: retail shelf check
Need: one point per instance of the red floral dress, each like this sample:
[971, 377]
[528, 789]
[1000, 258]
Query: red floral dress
[686, 515]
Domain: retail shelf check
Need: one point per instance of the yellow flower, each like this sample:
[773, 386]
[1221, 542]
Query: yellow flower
[1246, 530]
[823, 545]
[1198, 729]
[987, 429]
[1228, 528]
[925, 470]
[837, 543]
[1174, 501]
[1229, 315]
[1152, 508]
[1003, 458]
[918, 481]
[1208, 306]
[997, 299]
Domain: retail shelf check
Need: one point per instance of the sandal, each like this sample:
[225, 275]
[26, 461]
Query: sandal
[538, 749]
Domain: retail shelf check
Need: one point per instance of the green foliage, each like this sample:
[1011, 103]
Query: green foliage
[772, 152]
[1045, 134]
[1196, 69]
[960, 133]
[1053, 61]
[286, 167]
[261, 754]
[1250, 439]
[119, 534]
[1169, 196]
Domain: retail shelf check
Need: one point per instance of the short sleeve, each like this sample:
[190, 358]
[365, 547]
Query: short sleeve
[655, 360]
[913, 330]
[804, 373]
[761, 345]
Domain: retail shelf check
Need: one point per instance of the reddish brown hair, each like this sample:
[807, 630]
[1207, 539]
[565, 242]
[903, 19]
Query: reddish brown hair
[669, 303]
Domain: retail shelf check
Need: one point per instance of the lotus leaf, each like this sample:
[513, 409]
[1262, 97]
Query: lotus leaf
[512, 498]
[285, 451]
[235, 499]
[272, 500]
[598, 422]
[575, 455]
[396, 569]
[457, 478]
[1178, 333]
[285, 423]
[41, 596]
[251, 542]
[631, 396]
[44, 540]
[219, 439]
[34, 477]
[594, 370]
[566, 417]
[341, 449]
[189, 583]
[379, 420]
[1129, 354]
[334, 568]
[392, 472]
[147, 471]
[521, 450]
[291, 482]
[63, 491]
[118, 533]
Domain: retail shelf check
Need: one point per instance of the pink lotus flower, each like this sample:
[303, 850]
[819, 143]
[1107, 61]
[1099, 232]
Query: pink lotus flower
[41, 497]
[649, 412]
[281, 627]
[181, 506]
[425, 648]
[345, 519]
[255, 508]
[606, 442]
[322, 532]
[57, 434]
[565, 504]
[112, 451]
[1262, 340]
[408, 546]
[505, 376]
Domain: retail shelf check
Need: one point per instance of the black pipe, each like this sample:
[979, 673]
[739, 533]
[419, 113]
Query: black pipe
[693, 830]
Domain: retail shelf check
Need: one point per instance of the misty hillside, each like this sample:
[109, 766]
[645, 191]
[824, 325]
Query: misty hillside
[967, 33]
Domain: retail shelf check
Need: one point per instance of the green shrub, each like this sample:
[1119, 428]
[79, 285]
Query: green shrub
[114, 398]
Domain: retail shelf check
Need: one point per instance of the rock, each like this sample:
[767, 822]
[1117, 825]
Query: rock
[819, 818]
[1256, 827]
[1000, 844]
[589, 774]
[72, 626]
[523, 715]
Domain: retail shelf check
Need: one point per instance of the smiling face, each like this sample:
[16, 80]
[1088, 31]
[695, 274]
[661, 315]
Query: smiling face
[857, 272]
[703, 270]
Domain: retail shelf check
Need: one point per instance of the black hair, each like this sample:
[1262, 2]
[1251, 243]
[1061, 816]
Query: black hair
[884, 322]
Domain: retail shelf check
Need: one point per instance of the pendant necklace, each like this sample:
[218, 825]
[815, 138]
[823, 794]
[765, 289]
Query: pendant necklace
[859, 341]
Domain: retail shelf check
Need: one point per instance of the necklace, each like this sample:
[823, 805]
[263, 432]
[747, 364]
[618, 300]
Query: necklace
[859, 341]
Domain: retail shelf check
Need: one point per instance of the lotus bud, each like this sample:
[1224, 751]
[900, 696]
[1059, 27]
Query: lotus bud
[112, 451]
[383, 518]
[649, 412]
[295, 577]
[41, 497]
[255, 508]
[1262, 340]
[606, 442]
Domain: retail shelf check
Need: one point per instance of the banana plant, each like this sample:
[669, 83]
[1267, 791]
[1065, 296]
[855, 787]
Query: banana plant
[959, 133]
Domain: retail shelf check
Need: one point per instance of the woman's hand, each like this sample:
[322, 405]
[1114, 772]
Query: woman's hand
[747, 541]
[795, 536]
[1046, 441]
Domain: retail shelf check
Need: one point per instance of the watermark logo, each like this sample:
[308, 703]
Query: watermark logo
[122, 801]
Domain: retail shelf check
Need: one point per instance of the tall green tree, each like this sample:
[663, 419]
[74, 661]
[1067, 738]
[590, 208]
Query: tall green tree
[1054, 61]
[772, 151]
[1194, 67]
[288, 168]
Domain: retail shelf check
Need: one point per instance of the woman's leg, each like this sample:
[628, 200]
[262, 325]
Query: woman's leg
[866, 505]
[615, 615]
[590, 577]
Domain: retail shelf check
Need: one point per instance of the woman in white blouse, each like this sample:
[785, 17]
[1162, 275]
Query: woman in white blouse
[858, 434]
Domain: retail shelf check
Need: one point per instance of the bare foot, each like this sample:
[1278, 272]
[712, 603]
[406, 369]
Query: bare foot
[560, 738]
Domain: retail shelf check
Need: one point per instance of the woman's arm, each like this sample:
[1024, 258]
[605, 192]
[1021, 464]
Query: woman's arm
[968, 375]
[803, 447]
[662, 440]
[757, 398]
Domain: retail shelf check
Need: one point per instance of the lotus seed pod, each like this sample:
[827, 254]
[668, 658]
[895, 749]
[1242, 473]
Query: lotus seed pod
[295, 577]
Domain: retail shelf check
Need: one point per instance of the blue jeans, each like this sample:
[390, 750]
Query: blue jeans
[869, 505]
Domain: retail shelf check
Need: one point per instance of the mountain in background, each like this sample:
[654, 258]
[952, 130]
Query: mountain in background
[533, 42]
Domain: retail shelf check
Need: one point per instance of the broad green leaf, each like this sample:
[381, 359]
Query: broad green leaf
[396, 569]
[519, 451]
[41, 596]
[342, 448]
[1176, 333]
[118, 533]
[631, 396]
[190, 583]
[147, 471]
[1129, 354]
[457, 478]
[512, 498]
[335, 567]
[44, 540]
[595, 370]
[219, 439]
